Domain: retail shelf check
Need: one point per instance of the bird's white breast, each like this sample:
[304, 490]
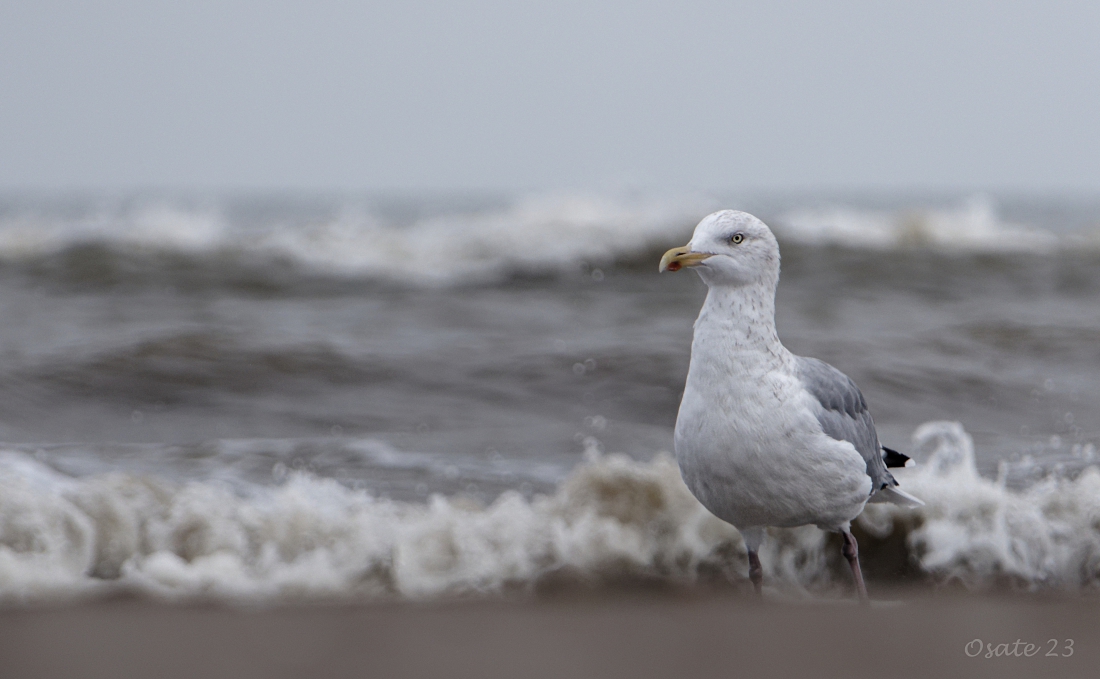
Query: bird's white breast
[747, 441]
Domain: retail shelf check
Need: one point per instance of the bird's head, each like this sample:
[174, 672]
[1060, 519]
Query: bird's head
[728, 248]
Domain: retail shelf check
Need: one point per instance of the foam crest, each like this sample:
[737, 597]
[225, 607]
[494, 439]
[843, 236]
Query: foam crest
[612, 520]
[973, 226]
[148, 226]
[533, 234]
[540, 233]
[536, 234]
[980, 532]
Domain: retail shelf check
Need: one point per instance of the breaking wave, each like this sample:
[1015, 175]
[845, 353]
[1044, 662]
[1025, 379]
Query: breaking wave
[612, 520]
[537, 234]
[974, 226]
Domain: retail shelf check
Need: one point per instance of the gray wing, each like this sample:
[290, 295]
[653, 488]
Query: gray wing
[844, 416]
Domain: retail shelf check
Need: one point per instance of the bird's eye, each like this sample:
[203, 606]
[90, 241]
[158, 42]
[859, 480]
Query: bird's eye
[737, 238]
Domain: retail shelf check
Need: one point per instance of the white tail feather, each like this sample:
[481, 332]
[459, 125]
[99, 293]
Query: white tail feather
[896, 496]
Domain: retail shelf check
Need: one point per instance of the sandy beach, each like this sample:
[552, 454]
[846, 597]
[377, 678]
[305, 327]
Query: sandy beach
[604, 636]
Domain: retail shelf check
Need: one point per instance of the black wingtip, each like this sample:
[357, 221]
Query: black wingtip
[893, 458]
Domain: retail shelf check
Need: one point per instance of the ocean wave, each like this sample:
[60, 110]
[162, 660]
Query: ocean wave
[974, 226]
[613, 520]
[537, 234]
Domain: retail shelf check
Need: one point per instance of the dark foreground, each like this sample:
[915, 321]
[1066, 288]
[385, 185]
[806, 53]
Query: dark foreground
[600, 637]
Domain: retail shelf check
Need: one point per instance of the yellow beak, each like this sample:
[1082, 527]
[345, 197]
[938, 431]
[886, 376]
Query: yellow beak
[677, 258]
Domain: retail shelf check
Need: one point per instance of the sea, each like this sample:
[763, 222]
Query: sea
[271, 397]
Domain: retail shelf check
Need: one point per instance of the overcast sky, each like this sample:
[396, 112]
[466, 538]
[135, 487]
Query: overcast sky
[414, 96]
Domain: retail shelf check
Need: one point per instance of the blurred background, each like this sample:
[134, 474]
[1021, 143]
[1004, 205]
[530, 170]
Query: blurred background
[328, 297]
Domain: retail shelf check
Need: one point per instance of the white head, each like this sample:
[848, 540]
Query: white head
[729, 248]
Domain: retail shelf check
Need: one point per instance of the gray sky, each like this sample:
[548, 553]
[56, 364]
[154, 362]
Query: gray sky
[480, 95]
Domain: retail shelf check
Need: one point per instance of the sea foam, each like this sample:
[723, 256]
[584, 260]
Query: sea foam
[537, 233]
[532, 234]
[973, 226]
[613, 520]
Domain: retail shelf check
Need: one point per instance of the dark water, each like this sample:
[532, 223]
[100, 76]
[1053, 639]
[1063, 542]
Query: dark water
[263, 398]
[109, 342]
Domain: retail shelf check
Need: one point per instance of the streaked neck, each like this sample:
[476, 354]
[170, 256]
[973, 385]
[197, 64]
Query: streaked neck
[738, 321]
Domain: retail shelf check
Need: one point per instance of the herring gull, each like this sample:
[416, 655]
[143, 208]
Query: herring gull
[764, 437]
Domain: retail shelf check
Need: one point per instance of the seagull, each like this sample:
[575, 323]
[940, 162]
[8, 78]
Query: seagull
[764, 437]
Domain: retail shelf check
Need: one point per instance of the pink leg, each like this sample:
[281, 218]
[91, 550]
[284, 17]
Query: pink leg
[850, 550]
